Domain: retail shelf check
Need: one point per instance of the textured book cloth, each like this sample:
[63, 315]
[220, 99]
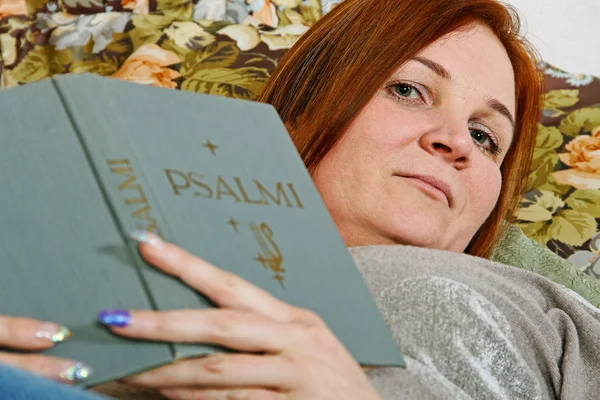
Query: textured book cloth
[87, 160]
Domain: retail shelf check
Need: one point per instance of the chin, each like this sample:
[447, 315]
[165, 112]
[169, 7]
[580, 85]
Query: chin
[427, 234]
[418, 241]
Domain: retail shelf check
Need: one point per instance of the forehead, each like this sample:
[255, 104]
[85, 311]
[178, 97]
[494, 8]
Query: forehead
[478, 63]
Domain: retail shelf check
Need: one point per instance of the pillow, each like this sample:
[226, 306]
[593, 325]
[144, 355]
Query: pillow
[212, 57]
[327, 5]
[561, 209]
[519, 251]
[269, 12]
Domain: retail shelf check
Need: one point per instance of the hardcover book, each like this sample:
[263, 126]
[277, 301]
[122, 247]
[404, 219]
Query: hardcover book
[86, 160]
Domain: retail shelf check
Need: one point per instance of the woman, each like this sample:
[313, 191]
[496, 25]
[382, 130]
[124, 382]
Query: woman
[417, 120]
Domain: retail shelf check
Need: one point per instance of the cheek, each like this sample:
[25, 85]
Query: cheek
[372, 142]
[345, 171]
[484, 190]
[380, 137]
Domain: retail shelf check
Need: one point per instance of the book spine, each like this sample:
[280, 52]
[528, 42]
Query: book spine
[127, 192]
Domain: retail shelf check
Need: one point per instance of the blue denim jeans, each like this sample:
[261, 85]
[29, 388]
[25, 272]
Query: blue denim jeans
[19, 385]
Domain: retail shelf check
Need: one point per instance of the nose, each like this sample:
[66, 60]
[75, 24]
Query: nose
[451, 142]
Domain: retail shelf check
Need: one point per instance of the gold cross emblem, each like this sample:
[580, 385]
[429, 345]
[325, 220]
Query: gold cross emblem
[234, 224]
[212, 147]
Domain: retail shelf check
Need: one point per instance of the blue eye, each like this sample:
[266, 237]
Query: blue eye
[485, 142]
[409, 93]
[405, 90]
[479, 136]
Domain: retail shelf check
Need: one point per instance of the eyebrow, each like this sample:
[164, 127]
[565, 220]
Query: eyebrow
[492, 103]
[435, 67]
[501, 108]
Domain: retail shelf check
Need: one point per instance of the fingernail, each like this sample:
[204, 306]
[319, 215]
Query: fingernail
[54, 333]
[77, 372]
[114, 317]
[147, 238]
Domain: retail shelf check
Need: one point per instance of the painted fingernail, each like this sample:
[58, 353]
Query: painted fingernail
[77, 372]
[147, 238]
[54, 333]
[114, 317]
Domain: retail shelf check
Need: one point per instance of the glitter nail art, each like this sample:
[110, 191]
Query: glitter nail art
[58, 335]
[77, 372]
[116, 317]
[63, 334]
[146, 237]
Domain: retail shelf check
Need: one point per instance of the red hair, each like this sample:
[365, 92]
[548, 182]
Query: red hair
[331, 73]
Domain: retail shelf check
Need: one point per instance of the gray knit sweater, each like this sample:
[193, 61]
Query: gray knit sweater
[474, 329]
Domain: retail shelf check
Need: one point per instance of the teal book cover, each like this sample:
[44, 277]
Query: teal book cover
[88, 159]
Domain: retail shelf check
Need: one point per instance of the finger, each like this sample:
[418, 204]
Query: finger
[221, 371]
[224, 288]
[58, 369]
[236, 330]
[30, 334]
[226, 394]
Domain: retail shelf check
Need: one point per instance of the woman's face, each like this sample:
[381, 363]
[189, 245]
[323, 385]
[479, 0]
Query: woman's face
[421, 164]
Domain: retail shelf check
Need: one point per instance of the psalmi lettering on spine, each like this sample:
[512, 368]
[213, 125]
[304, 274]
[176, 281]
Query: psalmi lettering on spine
[135, 195]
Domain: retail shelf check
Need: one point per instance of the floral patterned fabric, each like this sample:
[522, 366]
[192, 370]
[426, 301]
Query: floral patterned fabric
[327, 5]
[167, 49]
[270, 12]
[561, 209]
[222, 47]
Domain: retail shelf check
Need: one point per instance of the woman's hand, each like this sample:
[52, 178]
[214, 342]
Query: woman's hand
[32, 335]
[283, 352]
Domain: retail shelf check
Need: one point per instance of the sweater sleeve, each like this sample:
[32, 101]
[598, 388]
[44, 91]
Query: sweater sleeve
[475, 329]
[458, 345]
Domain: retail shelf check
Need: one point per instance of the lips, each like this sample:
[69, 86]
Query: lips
[434, 185]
